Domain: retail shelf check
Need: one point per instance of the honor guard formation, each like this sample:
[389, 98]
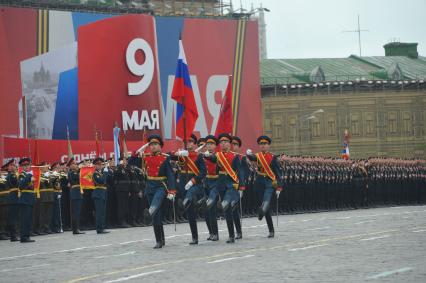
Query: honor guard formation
[209, 179]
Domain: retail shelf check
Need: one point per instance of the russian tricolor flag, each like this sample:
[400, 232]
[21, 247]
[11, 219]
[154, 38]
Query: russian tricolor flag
[345, 151]
[186, 110]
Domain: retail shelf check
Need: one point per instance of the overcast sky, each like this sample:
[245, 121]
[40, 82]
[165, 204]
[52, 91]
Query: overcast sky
[313, 28]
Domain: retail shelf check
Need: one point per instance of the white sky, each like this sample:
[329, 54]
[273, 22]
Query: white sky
[313, 28]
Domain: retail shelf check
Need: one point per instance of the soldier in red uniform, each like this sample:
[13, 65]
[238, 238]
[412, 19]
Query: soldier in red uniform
[268, 179]
[230, 180]
[192, 171]
[160, 184]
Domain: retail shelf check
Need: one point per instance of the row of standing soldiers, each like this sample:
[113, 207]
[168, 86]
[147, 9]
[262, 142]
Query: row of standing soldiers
[132, 193]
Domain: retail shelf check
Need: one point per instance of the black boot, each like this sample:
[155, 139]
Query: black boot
[157, 233]
[194, 232]
[163, 239]
[230, 225]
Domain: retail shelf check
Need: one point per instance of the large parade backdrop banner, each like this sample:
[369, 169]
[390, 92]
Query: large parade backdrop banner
[87, 71]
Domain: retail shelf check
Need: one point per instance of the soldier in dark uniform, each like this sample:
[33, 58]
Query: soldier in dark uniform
[46, 199]
[160, 183]
[99, 194]
[230, 180]
[135, 192]
[268, 180]
[123, 182]
[55, 180]
[65, 197]
[192, 171]
[12, 200]
[76, 195]
[4, 192]
[111, 203]
[27, 199]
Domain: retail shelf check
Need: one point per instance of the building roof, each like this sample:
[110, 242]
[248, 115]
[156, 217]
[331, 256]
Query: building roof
[294, 71]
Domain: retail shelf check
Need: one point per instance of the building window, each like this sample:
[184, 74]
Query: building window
[406, 123]
[369, 124]
[331, 127]
[355, 126]
[277, 131]
[392, 124]
[315, 128]
[292, 128]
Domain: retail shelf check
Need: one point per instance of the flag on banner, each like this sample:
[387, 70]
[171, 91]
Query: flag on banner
[70, 155]
[86, 177]
[186, 110]
[224, 125]
[116, 132]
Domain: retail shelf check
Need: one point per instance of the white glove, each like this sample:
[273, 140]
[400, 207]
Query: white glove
[207, 154]
[249, 152]
[171, 196]
[30, 172]
[182, 153]
[47, 174]
[188, 185]
[106, 169]
[278, 193]
[59, 197]
[142, 149]
[241, 194]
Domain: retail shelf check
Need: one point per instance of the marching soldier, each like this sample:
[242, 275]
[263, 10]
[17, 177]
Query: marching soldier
[192, 171]
[211, 189]
[230, 180]
[268, 179]
[99, 194]
[160, 184]
[76, 195]
[27, 199]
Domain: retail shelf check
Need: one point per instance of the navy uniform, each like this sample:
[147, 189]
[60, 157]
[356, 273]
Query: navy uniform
[46, 201]
[99, 195]
[160, 183]
[122, 184]
[268, 181]
[76, 196]
[27, 200]
[55, 179]
[4, 191]
[192, 171]
[12, 200]
[230, 181]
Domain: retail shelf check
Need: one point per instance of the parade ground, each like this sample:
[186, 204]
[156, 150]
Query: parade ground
[366, 245]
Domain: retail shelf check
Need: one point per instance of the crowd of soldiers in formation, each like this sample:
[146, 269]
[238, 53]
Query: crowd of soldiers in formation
[308, 184]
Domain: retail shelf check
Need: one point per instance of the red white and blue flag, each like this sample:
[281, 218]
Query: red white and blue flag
[186, 110]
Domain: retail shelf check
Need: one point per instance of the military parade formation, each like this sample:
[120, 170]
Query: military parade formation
[206, 181]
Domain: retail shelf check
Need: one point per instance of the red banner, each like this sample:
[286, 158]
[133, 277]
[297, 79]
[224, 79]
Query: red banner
[57, 150]
[86, 177]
